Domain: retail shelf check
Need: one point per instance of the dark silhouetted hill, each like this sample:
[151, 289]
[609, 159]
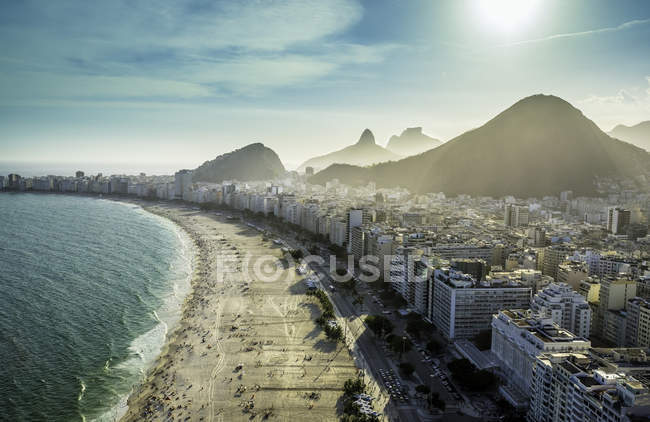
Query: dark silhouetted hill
[252, 162]
[539, 146]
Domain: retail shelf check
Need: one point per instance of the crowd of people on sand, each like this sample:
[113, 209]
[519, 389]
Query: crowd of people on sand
[164, 395]
[162, 391]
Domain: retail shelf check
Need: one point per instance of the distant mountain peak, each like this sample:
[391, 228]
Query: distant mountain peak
[638, 134]
[538, 146]
[364, 152]
[412, 142]
[412, 131]
[367, 138]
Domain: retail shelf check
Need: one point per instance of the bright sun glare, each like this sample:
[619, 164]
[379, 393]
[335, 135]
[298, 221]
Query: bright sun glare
[507, 15]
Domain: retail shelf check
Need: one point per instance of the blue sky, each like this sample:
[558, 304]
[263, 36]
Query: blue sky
[178, 82]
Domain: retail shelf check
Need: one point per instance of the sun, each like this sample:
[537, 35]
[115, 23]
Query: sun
[507, 15]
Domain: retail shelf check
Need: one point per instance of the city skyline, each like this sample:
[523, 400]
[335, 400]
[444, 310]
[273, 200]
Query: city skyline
[181, 84]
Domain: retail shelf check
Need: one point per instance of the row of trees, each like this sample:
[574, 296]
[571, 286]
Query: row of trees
[379, 324]
[351, 413]
[333, 332]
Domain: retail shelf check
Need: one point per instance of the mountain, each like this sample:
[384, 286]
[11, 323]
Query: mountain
[252, 162]
[412, 142]
[638, 135]
[365, 152]
[539, 146]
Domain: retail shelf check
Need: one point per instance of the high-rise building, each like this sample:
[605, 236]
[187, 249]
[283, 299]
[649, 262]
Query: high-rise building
[462, 307]
[537, 237]
[553, 257]
[379, 199]
[13, 182]
[518, 336]
[79, 174]
[358, 242]
[637, 330]
[356, 217]
[602, 264]
[515, 215]
[182, 184]
[604, 385]
[309, 171]
[566, 307]
[590, 290]
[477, 268]
[338, 232]
[618, 219]
[572, 273]
[380, 246]
[410, 276]
[613, 295]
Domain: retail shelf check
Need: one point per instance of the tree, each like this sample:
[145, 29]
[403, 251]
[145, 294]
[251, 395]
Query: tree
[400, 344]
[354, 386]
[407, 367]
[434, 347]
[379, 324]
[434, 400]
[423, 389]
[333, 332]
[296, 254]
[466, 374]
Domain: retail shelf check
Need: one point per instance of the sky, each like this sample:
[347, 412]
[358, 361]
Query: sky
[170, 84]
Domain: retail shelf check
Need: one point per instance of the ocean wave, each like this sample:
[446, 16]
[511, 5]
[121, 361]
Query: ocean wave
[82, 389]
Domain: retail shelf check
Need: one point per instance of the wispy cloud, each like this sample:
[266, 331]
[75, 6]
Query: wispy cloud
[185, 49]
[620, 27]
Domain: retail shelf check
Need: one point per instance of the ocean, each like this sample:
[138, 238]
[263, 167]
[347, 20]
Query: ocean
[88, 290]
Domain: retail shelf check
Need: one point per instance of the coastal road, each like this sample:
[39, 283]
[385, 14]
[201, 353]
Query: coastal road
[365, 344]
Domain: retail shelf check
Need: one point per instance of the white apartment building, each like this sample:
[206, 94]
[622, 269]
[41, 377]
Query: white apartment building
[462, 307]
[607, 263]
[410, 276]
[355, 218]
[182, 183]
[338, 232]
[566, 307]
[604, 385]
[518, 337]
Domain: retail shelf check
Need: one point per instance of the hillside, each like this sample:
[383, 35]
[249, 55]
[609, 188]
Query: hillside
[412, 142]
[638, 134]
[539, 146]
[252, 162]
[365, 152]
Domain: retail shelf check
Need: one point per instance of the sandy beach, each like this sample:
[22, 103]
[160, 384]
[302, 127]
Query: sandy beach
[244, 349]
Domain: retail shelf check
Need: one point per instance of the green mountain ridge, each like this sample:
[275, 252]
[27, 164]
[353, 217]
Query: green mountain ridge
[252, 162]
[539, 146]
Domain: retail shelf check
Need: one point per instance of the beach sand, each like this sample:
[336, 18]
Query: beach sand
[289, 370]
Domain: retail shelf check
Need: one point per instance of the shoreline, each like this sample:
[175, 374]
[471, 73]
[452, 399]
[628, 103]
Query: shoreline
[121, 408]
[243, 348]
[195, 252]
[218, 329]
